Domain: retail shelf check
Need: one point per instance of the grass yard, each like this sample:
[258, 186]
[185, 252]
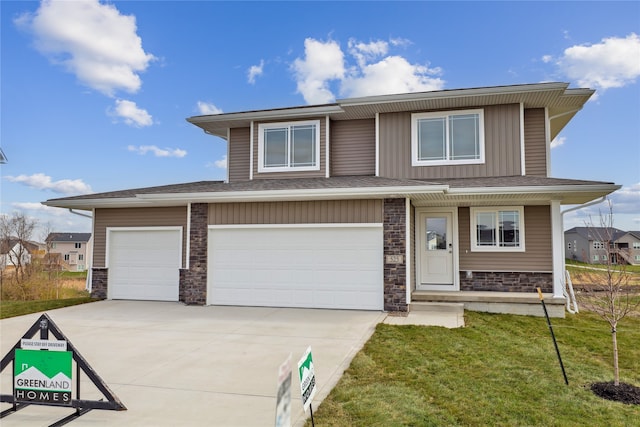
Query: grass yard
[20, 308]
[500, 370]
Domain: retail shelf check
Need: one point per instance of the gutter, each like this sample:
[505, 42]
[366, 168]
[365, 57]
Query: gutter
[80, 214]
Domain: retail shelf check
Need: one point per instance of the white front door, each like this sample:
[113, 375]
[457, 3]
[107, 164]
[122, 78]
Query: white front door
[435, 250]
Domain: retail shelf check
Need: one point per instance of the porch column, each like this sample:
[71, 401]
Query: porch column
[557, 249]
[395, 250]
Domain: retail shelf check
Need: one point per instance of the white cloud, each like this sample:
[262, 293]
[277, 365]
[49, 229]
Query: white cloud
[393, 74]
[612, 63]
[41, 181]
[558, 141]
[221, 163]
[132, 114]
[374, 71]
[206, 108]
[156, 151]
[322, 63]
[255, 71]
[547, 58]
[38, 207]
[92, 40]
[626, 200]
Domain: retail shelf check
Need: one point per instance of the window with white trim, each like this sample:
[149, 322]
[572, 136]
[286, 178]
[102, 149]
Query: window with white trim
[497, 229]
[596, 258]
[636, 245]
[289, 146]
[598, 245]
[447, 138]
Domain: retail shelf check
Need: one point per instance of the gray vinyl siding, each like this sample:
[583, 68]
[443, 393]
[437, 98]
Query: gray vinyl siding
[353, 147]
[536, 258]
[502, 147]
[535, 142]
[302, 212]
[293, 174]
[135, 217]
[239, 154]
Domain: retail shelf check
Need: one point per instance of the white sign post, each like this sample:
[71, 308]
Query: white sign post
[307, 380]
[283, 397]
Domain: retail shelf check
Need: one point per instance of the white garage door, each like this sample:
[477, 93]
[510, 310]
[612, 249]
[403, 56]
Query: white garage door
[144, 263]
[313, 267]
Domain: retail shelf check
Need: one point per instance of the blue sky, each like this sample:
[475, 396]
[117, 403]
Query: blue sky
[95, 94]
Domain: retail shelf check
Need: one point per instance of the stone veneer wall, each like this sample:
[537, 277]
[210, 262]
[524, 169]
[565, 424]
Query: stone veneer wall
[193, 281]
[99, 283]
[506, 281]
[395, 241]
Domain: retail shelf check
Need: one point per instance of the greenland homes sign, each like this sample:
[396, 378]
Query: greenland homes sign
[43, 376]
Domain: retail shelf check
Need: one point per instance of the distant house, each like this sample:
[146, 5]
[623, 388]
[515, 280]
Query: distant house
[73, 249]
[594, 244]
[14, 252]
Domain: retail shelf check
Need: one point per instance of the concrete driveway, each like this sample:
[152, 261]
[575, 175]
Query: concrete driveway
[177, 365]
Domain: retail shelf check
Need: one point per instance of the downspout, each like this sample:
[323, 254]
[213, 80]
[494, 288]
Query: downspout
[80, 214]
[572, 303]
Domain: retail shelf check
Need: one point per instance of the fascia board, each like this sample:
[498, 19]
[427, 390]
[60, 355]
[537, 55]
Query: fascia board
[497, 90]
[89, 204]
[535, 189]
[269, 114]
[297, 194]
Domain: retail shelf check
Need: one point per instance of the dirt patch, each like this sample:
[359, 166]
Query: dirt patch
[625, 393]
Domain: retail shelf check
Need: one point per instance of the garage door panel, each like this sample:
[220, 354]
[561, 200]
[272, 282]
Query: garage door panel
[322, 267]
[144, 264]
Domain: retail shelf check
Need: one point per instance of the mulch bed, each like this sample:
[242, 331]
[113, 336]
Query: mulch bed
[625, 393]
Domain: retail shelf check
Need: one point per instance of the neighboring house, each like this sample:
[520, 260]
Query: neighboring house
[74, 250]
[14, 252]
[368, 203]
[629, 247]
[594, 245]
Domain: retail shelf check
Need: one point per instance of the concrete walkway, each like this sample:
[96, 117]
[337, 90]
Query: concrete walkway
[172, 364]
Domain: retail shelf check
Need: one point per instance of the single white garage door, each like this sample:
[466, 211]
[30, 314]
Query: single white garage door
[144, 263]
[297, 266]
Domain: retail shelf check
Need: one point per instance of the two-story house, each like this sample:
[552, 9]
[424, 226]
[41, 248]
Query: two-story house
[602, 245]
[367, 203]
[74, 249]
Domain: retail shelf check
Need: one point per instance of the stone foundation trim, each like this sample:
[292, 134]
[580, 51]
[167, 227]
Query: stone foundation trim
[99, 279]
[395, 263]
[506, 281]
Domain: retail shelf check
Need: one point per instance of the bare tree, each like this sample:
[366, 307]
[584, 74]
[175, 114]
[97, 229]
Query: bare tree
[16, 230]
[607, 290]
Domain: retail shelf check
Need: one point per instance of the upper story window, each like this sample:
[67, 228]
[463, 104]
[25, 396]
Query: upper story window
[289, 146]
[447, 138]
[598, 245]
[636, 245]
[497, 229]
[78, 245]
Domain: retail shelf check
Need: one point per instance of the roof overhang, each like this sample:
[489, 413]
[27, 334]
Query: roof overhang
[562, 104]
[421, 195]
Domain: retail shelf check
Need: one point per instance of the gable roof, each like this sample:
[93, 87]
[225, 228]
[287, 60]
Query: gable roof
[435, 191]
[597, 233]
[562, 104]
[68, 237]
[7, 244]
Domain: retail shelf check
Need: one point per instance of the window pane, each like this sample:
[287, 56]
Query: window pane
[303, 145]
[275, 148]
[509, 228]
[463, 137]
[431, 139]
[436, 234]
[486, 229]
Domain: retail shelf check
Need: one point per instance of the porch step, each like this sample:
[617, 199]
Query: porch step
[437, 307]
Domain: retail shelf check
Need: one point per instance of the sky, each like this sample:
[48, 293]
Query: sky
[94, 94]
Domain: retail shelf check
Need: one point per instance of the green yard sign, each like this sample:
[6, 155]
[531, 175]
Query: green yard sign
[42, 376]
[307, 375]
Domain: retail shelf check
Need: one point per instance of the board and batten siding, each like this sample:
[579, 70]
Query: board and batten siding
[321, 173]
[501, 142]
[135, 217]
[536, 258]
[353, 147]
[535, 142]
[299, 212]
[239, 163]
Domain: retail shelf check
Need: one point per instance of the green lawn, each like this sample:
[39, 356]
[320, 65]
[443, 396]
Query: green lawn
[500, 370]
[19, 308]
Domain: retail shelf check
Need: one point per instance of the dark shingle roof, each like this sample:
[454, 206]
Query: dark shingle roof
[68, 237]
[598, 233]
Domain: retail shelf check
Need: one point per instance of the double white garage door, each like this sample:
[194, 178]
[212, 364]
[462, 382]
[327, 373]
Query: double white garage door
[330, 266]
